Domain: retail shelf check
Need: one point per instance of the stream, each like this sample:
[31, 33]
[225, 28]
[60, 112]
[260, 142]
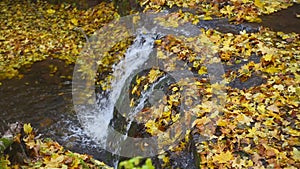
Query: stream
[43, 97]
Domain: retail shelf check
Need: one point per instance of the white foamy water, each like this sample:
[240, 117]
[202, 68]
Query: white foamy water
[97, 122]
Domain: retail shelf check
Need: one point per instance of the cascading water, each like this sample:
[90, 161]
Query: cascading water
[97, 116]
[98, 121]
[119, 139]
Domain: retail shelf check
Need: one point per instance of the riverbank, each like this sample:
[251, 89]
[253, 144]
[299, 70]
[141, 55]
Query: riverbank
[258, 126]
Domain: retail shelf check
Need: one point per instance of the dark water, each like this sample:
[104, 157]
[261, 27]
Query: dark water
[44, 99]
[285, 20]
[40, 98]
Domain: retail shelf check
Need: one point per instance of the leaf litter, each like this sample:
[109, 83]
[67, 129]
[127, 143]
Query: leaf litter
[259, 127]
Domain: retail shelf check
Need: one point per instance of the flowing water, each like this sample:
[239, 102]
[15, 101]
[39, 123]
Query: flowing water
[98, 123]
[44, 99]
[135, 57]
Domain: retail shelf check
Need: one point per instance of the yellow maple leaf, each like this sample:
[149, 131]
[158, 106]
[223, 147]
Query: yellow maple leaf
[50, 11]
[134, 90]
[136, 19]
[271, 70]
[261, 108]
[222, 122]
[207, 18]
[223, 157]
[243, 119]
[259, 4]
[245, 1]
[252, 132]
[74, 21]
[27, 128]
[161, 55]
[268, 57]
[153, 75]
[227, 10]
[175, 89]
[202, 70]
[199, 122]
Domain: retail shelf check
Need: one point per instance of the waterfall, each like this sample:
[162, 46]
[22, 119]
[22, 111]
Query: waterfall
[137, 54]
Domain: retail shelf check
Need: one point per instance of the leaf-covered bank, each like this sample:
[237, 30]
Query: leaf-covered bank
[32, 32]
[258, 127]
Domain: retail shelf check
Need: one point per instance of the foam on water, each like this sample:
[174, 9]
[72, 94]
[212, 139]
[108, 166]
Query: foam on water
[137, 54]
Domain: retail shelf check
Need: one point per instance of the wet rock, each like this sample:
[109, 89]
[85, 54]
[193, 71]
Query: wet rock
[187, 158]
[224, 26]
[254, 80]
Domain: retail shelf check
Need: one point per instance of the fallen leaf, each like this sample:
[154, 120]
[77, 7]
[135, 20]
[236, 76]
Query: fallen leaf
[273, 108]
[27, 128]
[296, 154]
[223, 157]
[50, 11]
